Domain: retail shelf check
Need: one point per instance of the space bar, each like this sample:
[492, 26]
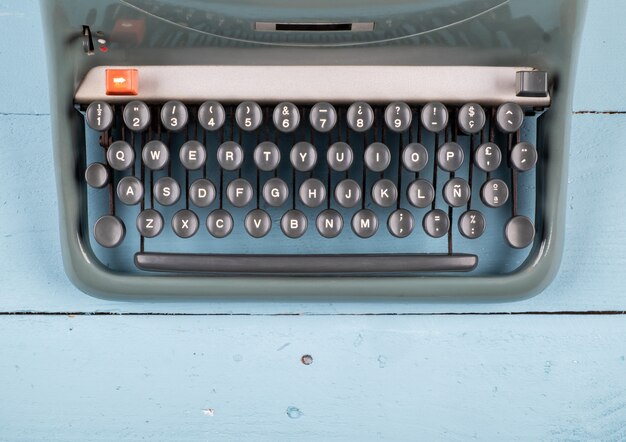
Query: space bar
[305, 264]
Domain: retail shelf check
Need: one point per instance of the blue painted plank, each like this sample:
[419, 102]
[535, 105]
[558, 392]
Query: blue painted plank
[591, 276]
[183, 378]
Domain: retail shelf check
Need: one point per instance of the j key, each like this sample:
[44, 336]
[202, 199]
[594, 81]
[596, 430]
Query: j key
[509, 117]
[494, 193]
[323, 117]
[249, 115]
[149, 223]
[211, 115]
[99, 115]
[523, 156]
[286, 117]
[398, 116]
[471, 118]
[360, 116]
[136, 116]
[174, 115]
[434, 117]
[348, 193]
[472, 224]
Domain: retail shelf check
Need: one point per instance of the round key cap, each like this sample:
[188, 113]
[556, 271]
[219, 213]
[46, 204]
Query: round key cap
[239, 192]
[129, 190]
[384, 193]
[99, 116]
[365, 223]
[275, 192]
[329, 223]
[219, 223]
[149, 223]
[420, 193]
[258, 223]
[174, 115]
[471, 118]
[401, 223]
[97, 175]
[494, 193]
[377, 157]
[312, 192]
[192, 155]
[472, 224]
[230, 155]
[414, 157]
[434, 117]
[266, 156]
[323, 117]
[136, 116]
[398, 116]
[339, 156]
[436, 223]
[456, 192]
[202, 192]
[450, 156]
[509, 117]
[523, 156]
[519, 232]
[109, 231]
[360, 116]
[488, 157]
[348, 193]
[286, 117]
[249, 115]
[120, 155]
[166, 191]
[155, 155]
[303, 156]
[185, 223]
[211, 115]
[293, 223]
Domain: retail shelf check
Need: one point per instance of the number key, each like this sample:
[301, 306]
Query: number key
[323, 117]
[211, 115]
[249, 116]
[360, 116]
[136, 116]
[398, 116]
[286, 117]
[174, 115]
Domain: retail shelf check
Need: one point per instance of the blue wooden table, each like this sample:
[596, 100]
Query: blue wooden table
[553, 367]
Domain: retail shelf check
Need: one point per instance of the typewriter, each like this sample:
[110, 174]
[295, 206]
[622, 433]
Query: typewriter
[351, 149]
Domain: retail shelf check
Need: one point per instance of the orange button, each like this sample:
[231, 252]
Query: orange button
[122, 82]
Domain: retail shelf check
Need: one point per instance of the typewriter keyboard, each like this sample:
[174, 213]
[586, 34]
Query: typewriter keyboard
[318, 187]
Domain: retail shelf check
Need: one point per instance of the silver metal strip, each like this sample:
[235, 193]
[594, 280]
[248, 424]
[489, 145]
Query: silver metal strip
[310, 84]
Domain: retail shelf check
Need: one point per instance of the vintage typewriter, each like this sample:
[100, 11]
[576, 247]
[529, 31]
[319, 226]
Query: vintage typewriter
[391, 149]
